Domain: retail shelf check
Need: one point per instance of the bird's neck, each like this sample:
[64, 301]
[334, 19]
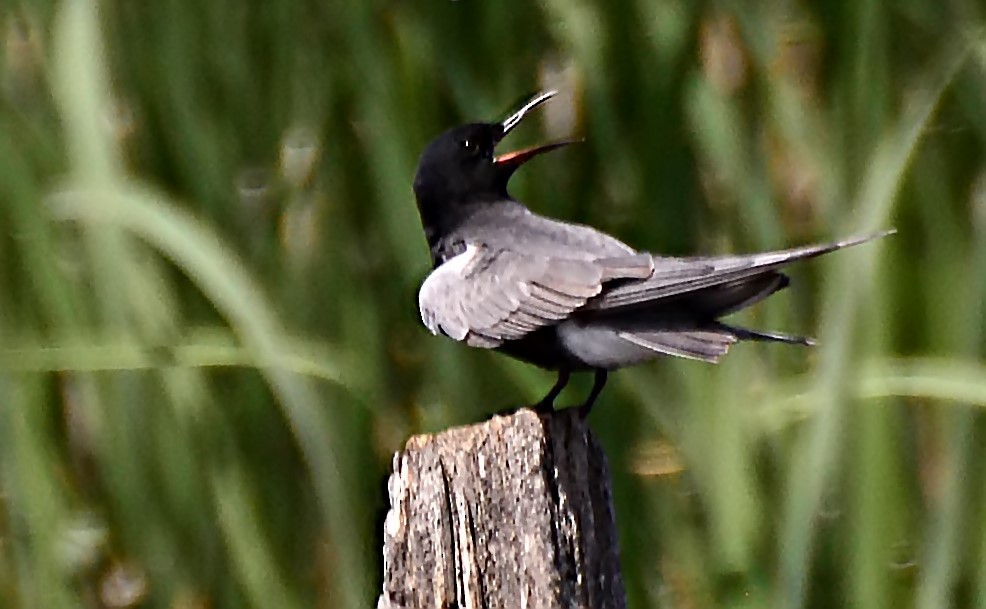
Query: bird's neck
[442, 217]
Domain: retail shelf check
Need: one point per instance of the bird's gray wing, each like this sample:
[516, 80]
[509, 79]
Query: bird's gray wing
[674, 277]
[486, 296]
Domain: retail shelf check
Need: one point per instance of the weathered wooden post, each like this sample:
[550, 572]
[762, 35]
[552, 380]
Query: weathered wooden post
[515, 512]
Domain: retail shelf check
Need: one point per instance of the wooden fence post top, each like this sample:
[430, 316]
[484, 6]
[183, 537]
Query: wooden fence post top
[514, 512]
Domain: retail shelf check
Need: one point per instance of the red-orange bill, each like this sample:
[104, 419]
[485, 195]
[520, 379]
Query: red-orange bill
[518, 157]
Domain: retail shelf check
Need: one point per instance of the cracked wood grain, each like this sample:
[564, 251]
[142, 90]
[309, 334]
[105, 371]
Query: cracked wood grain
[515, 512]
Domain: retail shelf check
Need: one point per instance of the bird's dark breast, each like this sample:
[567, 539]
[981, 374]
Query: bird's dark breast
[542, 348]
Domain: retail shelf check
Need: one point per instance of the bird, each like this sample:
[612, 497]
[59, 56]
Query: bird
[564, 296]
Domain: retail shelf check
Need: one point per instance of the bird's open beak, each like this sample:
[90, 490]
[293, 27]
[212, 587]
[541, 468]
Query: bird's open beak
[513, 160]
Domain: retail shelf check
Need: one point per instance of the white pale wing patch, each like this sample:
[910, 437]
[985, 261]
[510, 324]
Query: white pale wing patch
[437, 288]
[485, 297]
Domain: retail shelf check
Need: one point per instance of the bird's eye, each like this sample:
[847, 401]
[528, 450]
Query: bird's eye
[470, 145]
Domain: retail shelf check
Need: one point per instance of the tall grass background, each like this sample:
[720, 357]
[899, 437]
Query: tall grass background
[209, 255]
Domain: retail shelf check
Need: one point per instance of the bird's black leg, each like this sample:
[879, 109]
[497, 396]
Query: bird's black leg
[548, 403]
[598, 382]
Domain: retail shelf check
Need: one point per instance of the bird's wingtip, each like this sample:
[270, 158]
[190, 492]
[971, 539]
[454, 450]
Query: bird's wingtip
[861, 239]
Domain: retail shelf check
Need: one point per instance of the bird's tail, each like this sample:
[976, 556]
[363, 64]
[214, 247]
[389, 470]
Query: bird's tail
[707, 343]
[704, 345]
[773, 337]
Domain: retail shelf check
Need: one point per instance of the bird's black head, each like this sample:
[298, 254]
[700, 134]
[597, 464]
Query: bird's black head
[459, 164]
[458, 169]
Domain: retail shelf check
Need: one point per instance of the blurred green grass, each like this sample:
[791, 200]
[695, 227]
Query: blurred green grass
[209, 255]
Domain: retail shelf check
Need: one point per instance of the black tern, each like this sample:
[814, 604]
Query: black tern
[565, 296]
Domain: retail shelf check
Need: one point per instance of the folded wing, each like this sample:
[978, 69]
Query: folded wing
[487, 296]
[677, 277]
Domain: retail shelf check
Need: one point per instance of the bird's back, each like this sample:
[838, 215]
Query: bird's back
[510, 226]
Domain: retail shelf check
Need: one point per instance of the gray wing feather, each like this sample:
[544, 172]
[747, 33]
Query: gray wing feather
[491, 294]
[486, 296]
[676, 276]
